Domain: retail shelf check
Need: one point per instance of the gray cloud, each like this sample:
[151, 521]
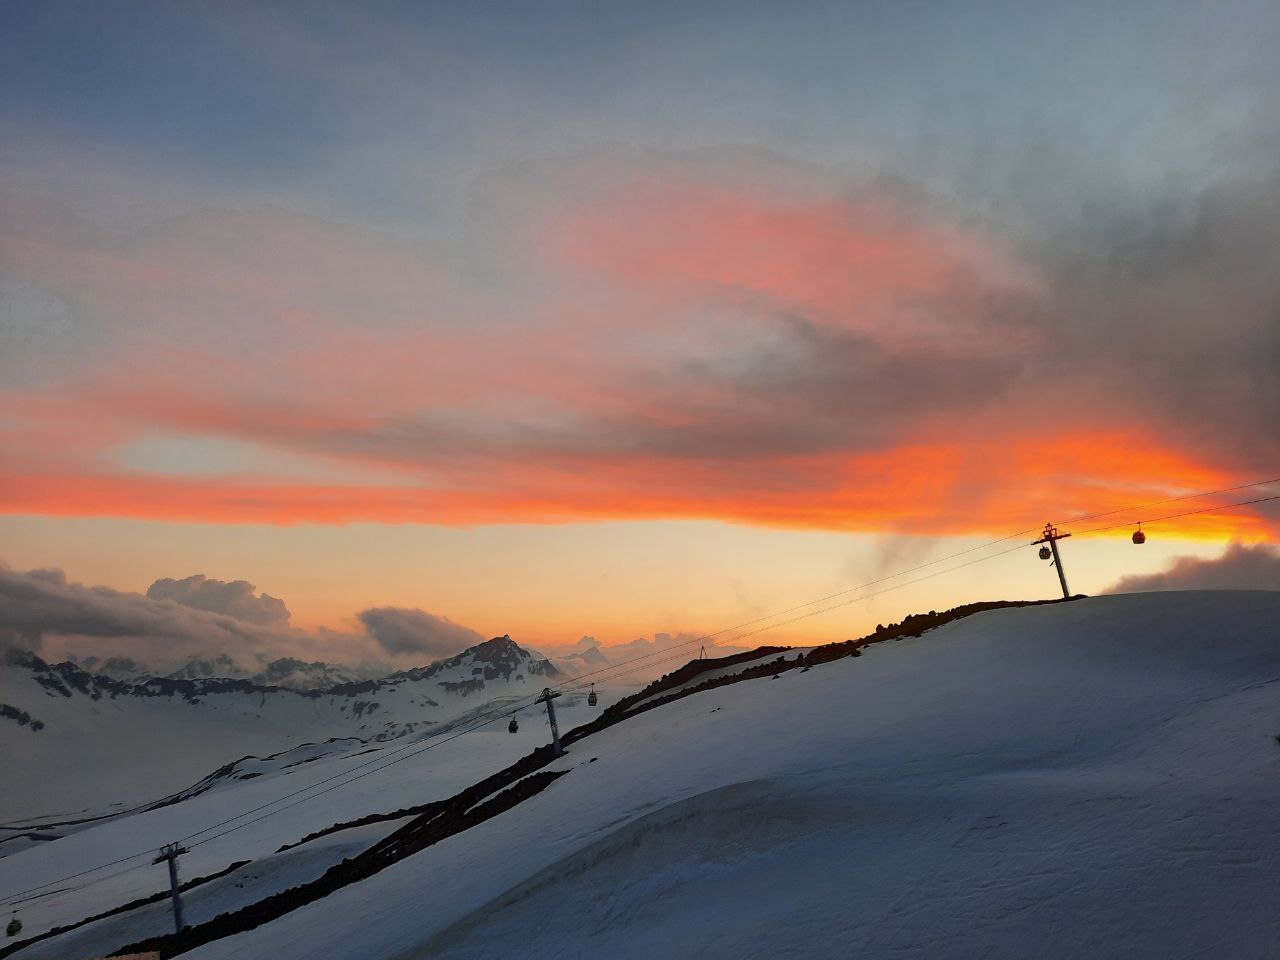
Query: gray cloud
[1167, 310]
[236, 598]
[41, 604]
[1241, 567]
[405, 630]
[40, 609]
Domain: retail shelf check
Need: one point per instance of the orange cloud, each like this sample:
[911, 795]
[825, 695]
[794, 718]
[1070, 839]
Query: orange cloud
[709, 343]
[924, 490]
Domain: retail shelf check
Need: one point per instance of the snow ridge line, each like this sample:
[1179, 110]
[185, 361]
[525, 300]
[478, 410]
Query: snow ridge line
[911, 626]
[434, 807]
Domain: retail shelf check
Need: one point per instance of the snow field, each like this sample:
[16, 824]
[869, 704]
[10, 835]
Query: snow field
[413, 776]
[1096, 778]
[1091, 779]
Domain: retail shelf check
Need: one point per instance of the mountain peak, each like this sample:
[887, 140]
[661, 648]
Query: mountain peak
[496, 648]
[496, 658]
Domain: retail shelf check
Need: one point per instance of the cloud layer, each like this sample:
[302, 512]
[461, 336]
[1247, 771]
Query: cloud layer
[235, 598]
[644, 335]
[878, 268]
[201, 617]
[41, 607]
[43, 611]
[404, 631]
[1241, 567]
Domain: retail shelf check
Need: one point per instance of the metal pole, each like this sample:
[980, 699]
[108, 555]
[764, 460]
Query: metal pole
[547, 696]
[555, 730]
[171, 852]
[177, 897]
[1057, 562]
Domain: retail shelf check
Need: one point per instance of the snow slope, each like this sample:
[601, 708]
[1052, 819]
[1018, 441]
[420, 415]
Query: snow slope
[1099, 778]
[236, 889]
[404, 773]
[1090, 779]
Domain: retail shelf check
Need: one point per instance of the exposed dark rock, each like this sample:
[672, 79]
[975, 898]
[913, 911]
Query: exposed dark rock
[24, 719]
[463, 687]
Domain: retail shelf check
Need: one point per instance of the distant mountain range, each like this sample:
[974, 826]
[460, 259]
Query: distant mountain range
[75, 732]
[499, 657]
[285, 672]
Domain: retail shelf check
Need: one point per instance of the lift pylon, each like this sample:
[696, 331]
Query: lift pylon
[171, 852]
[547, 696]
[1051, 536]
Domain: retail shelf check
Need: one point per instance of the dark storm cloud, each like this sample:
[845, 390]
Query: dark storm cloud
[1241, 567]
[236, 598]
[403, 630]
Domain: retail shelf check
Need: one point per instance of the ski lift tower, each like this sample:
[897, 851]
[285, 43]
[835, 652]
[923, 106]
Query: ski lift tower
[547, 696]
[171, 852]
[1051, 536]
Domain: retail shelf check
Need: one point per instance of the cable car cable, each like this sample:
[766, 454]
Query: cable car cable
[953, 556]
[1156, 503]
[1189, 513]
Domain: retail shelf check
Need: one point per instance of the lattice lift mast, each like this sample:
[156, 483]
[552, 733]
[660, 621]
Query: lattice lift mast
[1051, 536]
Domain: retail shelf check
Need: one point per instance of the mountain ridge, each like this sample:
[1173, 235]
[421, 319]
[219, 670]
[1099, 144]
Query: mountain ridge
[501, 657]
[70, 730]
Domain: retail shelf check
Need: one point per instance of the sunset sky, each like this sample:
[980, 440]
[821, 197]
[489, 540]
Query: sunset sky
[568, 319]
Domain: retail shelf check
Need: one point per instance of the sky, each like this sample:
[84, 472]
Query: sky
[618, 320]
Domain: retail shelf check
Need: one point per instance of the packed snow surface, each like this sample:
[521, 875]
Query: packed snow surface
[1099, 778]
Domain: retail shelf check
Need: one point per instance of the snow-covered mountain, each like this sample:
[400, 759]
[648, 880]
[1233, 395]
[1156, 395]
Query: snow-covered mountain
[1085, 778]
[307, 675]
[284, 672]
[117, 668]
[498, 659]
[219, 666]
[89, 742]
